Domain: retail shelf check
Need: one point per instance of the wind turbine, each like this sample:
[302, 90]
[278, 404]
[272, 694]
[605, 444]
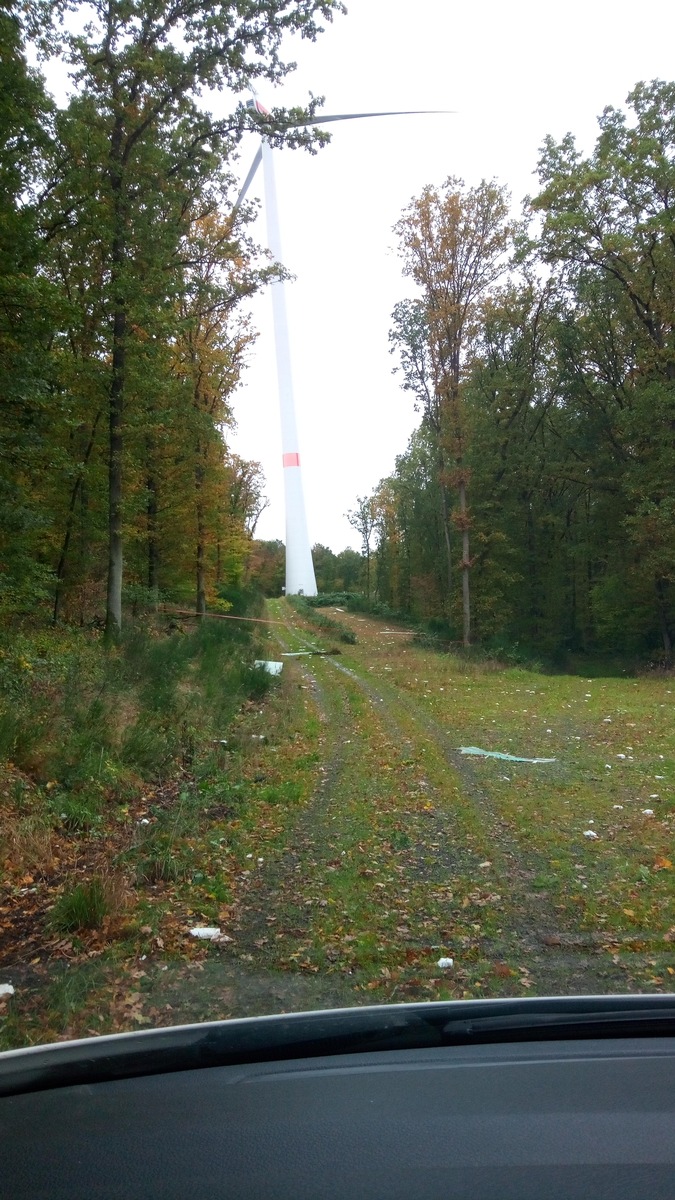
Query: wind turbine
[300, 577]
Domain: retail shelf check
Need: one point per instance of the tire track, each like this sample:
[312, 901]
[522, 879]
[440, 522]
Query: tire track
[536, 938]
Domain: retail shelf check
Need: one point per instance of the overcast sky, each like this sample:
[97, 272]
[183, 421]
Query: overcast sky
[514, 72]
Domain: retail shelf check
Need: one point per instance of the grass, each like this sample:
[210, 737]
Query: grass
[611, 738]
[319, 620]
[83, 906]
[335, 834]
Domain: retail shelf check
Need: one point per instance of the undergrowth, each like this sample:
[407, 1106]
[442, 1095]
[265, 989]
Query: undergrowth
[93, 720]
[319, 620]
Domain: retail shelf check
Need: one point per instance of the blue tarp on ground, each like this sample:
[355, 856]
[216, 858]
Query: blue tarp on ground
[498, 754]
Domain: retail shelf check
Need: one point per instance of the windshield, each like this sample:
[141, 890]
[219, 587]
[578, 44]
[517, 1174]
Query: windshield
[336, 547]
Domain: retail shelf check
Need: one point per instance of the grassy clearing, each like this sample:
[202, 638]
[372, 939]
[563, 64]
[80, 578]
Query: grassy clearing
[336, 836]
[390, 875]
[614, 745]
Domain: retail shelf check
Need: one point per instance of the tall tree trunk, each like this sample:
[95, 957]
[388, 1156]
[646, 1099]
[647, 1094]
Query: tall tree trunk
[113, 620]
[466, 565]
[70, 520]
[445, 517]
[153, 547]
[113, 616]
[201, 536]
[663, 618]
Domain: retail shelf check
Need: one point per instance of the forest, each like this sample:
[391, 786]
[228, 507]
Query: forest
[125, 267]
[535, 503]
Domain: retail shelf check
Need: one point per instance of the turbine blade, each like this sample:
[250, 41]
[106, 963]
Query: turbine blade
[410, 112]
[249, 178]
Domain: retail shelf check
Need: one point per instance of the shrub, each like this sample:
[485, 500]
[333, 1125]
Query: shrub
[82, 907]
[77, 811]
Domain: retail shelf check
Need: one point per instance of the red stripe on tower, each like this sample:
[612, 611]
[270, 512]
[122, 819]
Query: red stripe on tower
[291, 460]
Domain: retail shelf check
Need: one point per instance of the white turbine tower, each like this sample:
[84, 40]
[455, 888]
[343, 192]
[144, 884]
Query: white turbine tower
[300, 577]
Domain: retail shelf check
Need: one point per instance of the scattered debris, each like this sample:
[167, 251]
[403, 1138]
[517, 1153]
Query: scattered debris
[210, 933]
[6, 989]
[272, 668]
[648, 812]
[445, 963]
[590, 833]
[307, 653]
[475, 750]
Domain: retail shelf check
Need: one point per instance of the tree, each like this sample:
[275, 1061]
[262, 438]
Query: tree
[608, 223]
[349, 567]
[453, 243]
[140, 71]
[325, 567]
[28, 308]
[266, 567]
[363, 519]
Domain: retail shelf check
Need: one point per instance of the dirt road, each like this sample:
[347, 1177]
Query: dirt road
[403, 856]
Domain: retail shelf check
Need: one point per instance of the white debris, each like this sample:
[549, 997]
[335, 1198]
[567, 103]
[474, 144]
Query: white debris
[590, 833]
[208, 932]
[608, 766]
[272, 668]
[143, 821]
[6, 989]
[487, 863]
[605, 720]
[654, 796]
[445, 963]
[591, 821]
[659, 776]
[648, 812]
[617, 806]
[621, 756]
